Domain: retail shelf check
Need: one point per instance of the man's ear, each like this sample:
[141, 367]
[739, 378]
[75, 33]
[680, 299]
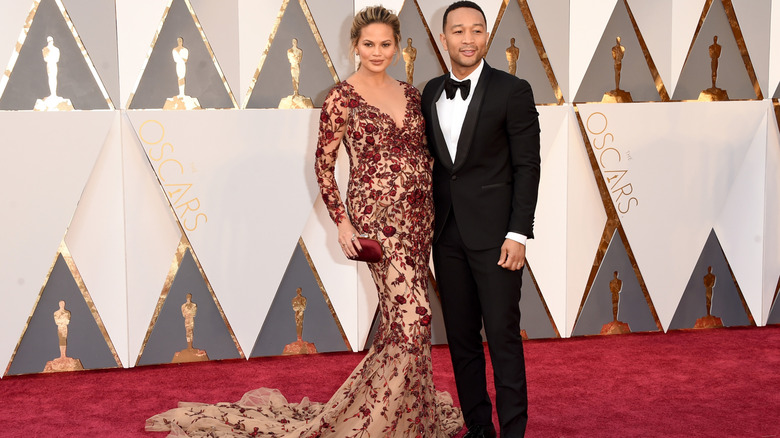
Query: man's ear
[443, 41]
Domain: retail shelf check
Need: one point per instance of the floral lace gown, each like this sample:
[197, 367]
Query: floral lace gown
[391, 392]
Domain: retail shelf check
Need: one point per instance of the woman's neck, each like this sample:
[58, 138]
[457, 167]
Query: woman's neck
[372, 79]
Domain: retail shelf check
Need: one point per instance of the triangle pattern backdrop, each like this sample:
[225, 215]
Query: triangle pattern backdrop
[535, 318]
[438, 332]
[204, 78]
[732, 74]
[87, 340]
[26, 79]
[428, 62]
[633, 308]
[320, 323]
[167, 335]
[273, 78]
[727, 300]
[512, 25]
[635, 74]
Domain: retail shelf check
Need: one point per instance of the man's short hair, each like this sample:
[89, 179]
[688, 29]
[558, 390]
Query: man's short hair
[458, 5]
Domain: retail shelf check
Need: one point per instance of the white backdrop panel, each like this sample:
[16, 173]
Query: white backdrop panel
[772, 217]
[152, 235]
[740, 225]
[587, 21]
[252, 187]
[49, 157]
[667, 171]
[96, 239]
[549, 244]
[136, 25]
[685, 18]
[586, 219]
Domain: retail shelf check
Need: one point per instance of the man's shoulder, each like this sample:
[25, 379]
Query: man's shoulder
[431, 86]
[504, 79]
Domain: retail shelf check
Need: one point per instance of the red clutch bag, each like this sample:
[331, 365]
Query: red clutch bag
[371, 252]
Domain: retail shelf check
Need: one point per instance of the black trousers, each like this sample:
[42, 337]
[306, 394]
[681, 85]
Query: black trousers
[475, 290]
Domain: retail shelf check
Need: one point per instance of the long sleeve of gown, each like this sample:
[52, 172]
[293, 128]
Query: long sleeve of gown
[332, 127]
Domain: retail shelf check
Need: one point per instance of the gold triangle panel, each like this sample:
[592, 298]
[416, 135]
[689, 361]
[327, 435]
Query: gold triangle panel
[188, 323]
[50, 69]
[712, 297]
[612, 228]
[718, 65]
[516, 47]
[64, 331]
[621, 69]
[615, 303]
[181, 70]
[301, 319]
[295, 70]
[420, 59]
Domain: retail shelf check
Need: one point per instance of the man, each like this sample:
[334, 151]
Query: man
[484, 136]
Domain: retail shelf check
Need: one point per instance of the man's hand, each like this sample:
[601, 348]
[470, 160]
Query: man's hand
[512, 255]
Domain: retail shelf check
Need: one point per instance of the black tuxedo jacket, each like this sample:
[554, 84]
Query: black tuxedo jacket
[491, 188]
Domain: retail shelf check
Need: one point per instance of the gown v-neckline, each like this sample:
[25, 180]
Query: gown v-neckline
[384, 113]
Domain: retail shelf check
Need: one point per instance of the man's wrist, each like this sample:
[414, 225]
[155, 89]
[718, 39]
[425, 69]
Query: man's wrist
[517, 237]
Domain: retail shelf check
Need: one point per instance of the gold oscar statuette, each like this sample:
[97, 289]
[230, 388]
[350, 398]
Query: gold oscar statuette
[52, 102]
[615, 327]
[709, 321]
[181, 101]
[299, 346]
[512, 55]
[410, 55]
[62, 363]
[295, 100]
[714, 93]
[189, 354]
[617, 95]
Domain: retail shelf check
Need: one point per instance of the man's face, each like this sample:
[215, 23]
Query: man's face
[465, 39]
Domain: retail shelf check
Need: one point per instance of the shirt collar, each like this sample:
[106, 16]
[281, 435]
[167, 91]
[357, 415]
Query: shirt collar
[473, 76]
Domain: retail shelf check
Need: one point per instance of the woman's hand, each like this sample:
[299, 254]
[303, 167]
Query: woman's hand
[348, 239]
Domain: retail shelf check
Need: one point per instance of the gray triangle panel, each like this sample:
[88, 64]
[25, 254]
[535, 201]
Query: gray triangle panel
[635, 75]
[279, 328]
[633, 308]
[529, 65]
[533, 314]
[774, 312]
[159, 80]
[726, 300]
[169, 335]
[426, 64]
[40, 342]
[275, 79]
[96, 25]
[29, 80]
[732, 76]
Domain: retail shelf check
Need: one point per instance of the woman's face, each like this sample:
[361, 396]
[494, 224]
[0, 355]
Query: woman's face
[376, 47]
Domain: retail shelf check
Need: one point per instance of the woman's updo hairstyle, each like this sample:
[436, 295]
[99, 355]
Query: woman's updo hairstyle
[371, 15]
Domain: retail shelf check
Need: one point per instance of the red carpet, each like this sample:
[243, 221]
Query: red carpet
[709, 383]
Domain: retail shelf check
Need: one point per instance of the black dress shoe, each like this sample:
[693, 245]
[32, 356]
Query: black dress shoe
[479, 431]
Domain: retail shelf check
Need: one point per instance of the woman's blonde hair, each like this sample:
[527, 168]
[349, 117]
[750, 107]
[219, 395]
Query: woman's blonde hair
[371, 15]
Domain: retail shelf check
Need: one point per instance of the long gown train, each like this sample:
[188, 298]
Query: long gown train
[391, 392]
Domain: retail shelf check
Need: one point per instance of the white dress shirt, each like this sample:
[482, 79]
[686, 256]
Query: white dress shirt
[452, 113]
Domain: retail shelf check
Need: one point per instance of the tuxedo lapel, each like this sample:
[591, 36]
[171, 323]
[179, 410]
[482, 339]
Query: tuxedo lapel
[438, 136]
[472, 115]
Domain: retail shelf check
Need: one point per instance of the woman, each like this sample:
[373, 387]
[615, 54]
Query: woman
[390, 393]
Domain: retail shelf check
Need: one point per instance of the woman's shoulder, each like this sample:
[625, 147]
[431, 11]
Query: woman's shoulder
[340, 92]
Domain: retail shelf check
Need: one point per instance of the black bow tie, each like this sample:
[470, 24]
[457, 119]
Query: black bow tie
[451, 85]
